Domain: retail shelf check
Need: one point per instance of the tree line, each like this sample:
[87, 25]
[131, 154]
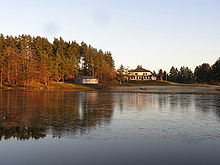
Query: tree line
[24, 59]
[205, 73]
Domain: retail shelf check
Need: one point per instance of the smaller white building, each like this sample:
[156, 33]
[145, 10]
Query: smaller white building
[86, 80]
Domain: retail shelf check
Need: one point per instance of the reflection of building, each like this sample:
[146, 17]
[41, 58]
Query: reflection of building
[141, 74]
[87, 80]
[139, 100]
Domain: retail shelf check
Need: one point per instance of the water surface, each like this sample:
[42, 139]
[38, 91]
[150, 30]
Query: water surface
[108, 128]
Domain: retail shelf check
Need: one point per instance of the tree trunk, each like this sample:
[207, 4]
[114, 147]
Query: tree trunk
[63, 77]
[1, 76]
[16, 76]
[8, 74]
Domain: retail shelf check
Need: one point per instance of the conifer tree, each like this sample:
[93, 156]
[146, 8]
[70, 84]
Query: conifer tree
[202, 73]
[216, 71]
[173, 74]
[24, 59]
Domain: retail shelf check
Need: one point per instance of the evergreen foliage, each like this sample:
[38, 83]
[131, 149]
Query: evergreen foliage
[202, 74]
[215, 71]
[122, 74]
[24, 59]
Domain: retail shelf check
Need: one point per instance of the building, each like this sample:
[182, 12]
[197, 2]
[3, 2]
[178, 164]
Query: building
[86, 80]
[140, 74]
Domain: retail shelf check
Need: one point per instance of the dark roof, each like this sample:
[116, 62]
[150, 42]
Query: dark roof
[139, 69]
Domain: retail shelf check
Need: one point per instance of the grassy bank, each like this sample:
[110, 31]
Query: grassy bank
[163, 87]
[68, 86]
[52, 86]
[161, 83]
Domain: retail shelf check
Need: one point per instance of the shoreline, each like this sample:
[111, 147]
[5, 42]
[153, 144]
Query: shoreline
[69, 87]
[52, 87]
[167, 89]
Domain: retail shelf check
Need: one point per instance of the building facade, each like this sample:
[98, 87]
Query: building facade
[140, 74]
[86, 80]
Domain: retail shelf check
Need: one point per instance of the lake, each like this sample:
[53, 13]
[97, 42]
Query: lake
[108, 128]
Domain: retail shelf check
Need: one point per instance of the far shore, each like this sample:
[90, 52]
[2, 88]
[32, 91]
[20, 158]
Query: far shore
[52, 86]
[168, 89]
[165, 88]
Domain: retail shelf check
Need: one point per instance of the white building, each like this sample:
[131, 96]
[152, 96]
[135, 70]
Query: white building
[86, 80]
[140, 74]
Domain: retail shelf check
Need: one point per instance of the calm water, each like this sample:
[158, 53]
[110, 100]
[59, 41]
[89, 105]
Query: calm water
[108, 128]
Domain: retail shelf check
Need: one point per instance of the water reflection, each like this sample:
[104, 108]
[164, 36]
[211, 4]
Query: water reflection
[170, 102]
[208, 103]
[25, 115]
[108, 128]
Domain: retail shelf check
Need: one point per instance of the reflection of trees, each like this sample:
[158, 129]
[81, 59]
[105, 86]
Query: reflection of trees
[21, 133]
[208, 103]
[173, 101]
[203, 102]
[162, 100]
[186, 100]
[96, 109]
[169, 101]
[25, 115]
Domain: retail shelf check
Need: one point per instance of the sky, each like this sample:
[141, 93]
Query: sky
[152, 33]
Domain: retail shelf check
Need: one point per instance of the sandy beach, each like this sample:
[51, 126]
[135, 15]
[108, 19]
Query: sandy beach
[167, 89]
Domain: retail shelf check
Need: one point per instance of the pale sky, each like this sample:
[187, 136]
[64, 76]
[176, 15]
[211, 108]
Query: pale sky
[152, 33]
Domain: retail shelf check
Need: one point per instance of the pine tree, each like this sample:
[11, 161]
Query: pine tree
[2, 59]
[24, 59]
[121, 74]
[160, 74]
[173, 74]
[11, 66]
[202, 73]
[216, 71]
